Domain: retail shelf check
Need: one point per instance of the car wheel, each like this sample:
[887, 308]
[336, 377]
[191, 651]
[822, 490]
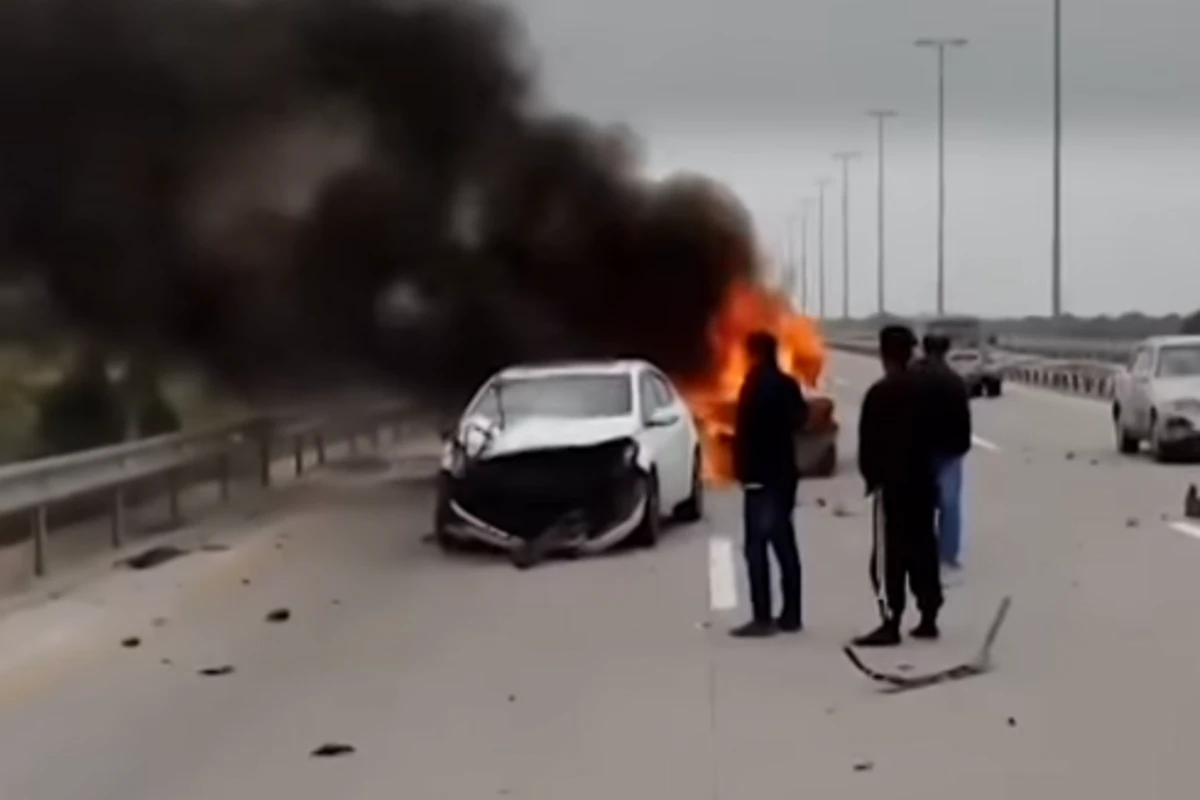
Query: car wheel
[692, 509]
[975, 390]
[993, 388]
[1126, 444]
[1157, 450]
[646, 534]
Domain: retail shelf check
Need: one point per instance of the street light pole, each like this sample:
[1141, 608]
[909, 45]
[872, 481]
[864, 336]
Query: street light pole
[881, 116]
[806, 207]
[821, 184]
[846, 158]
[1056, 247]
[940, 45]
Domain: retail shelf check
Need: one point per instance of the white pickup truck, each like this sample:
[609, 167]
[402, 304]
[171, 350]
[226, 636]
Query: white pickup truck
[1156, 398]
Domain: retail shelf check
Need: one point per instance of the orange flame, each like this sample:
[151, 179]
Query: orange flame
[713, 398]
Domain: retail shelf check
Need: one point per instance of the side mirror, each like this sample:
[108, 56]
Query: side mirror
[447, 429]
[662, 418]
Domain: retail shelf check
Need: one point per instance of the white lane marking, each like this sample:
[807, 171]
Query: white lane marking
[722, 583]
[984, 444]
[1186, 528]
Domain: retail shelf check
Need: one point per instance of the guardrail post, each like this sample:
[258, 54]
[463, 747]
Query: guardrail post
[321, 448]
[298, 453]
[173, 495]
[352, 441]
[39, 541]
[263, 435]
[118, 517]
[223, 477]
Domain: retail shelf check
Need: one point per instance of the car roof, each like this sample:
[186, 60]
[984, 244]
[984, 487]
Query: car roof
[626, 366]
[1166, 341]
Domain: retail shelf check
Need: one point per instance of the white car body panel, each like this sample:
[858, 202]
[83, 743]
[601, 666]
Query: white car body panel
[1142, 395]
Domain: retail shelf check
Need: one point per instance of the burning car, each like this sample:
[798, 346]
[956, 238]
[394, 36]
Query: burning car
[574, 457]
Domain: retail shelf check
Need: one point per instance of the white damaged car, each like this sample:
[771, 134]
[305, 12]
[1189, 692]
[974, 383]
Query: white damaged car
[571, 458]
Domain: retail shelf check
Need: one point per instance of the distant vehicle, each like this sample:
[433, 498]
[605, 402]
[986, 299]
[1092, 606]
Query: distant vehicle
[569, 458]
[1157, 398]
[970, 352]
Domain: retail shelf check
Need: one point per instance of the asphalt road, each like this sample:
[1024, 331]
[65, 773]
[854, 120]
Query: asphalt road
[461, 678]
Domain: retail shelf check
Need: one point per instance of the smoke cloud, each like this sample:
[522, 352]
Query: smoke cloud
[304, 194]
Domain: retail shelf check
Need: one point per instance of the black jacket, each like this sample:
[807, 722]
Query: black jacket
[952, 409]
[896, 432]
[771, 411]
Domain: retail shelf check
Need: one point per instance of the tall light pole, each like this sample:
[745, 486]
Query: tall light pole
[881, 116]
[821, 184]
[805, 208]
[1056, 246]
[940, 46]
[846, 158]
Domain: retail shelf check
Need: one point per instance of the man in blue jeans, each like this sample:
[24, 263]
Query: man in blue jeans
[954, 442]
[771, 411]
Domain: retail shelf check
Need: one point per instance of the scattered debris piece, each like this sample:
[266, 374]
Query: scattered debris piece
[131, 641]
[1070, 455]
[151, 558]
[979, 665]
[1132, 522]
[212, 672]
[820, 502]
[864, 766]
[512, 698]
[279, 615]
[159, 622]
[333, 750]
[335, 602]
[1095, 462]
[1012, 722]
[245, 581]
[166, 662]
[1191, 503]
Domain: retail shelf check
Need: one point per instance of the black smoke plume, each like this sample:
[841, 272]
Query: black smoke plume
[303, 194]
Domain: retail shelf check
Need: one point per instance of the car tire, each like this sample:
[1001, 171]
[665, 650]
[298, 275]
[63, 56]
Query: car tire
[1157, 451]
[993, 388]
[692, 509]
[1126, 444]
[647, 532]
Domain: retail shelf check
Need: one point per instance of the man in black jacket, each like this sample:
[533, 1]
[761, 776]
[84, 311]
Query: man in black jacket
[897, 445]
[953, 444]
[771, 411]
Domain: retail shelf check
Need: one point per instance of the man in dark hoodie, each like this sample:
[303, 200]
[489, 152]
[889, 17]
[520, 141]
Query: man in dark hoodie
[897, 447]
[771, 410]
[952, 445]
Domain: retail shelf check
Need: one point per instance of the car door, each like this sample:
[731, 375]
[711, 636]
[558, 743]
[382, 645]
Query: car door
[677, 441]
[1140, 381]
[655, 438]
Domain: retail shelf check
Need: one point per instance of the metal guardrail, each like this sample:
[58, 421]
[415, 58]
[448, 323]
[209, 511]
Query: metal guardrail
[34, 487]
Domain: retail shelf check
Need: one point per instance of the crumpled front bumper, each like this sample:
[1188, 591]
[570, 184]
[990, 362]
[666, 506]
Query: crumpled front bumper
[465, 525]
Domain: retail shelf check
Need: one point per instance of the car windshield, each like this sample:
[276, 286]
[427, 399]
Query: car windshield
[1179, 361]
[578, 396]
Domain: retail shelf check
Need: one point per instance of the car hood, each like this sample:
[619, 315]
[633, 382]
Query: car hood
[541, 433]
[1171, 389]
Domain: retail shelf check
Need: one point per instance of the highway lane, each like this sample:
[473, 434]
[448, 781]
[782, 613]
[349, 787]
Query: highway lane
[462, 678]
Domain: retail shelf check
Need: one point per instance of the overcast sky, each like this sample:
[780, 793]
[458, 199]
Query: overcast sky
[759, 92]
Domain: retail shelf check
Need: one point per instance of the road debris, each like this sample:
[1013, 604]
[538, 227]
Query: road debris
[131, 642]
[512, 698]
[1191, 503]
[1132, 522]
[821, 502]
[981, 664]
[166, 662]
[333, 750]
[864, 766]
[1012, 722]
[151, 558]
[279, 615]
[212, 672]
[1070, 455]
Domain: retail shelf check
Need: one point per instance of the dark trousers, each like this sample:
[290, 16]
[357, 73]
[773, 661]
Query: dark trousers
[768, 526]
[905, 550]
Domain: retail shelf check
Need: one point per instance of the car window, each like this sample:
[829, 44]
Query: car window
[663, 396]
[649, 397]
[575, 396]
[1179, 361]
[1141, 362]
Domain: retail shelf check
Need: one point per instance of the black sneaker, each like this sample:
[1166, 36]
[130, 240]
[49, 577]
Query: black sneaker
[754, 630]
[886, 635]
[928, 629]
[789, 625]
